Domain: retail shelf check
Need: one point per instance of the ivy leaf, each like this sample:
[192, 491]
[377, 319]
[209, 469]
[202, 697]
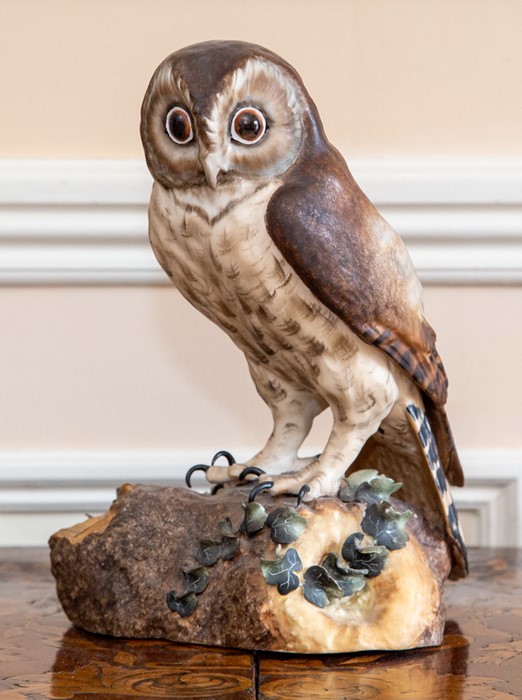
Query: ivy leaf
[319, 587]
[369, 561]
[228, 547]
[377, 490]
[286, 525]
[386, 525]
[196, 579]
[368, 486]
[289, 585]
[255, 517]
[226, 528]
[281, 572]
[208, 552]
[354, 481]
[332, 561]
[184, 605]
[351, 546]
[349, 580]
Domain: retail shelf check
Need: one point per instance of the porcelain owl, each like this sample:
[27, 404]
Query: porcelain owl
[257, 220]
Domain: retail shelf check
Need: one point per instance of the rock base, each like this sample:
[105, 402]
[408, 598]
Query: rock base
[146, 569]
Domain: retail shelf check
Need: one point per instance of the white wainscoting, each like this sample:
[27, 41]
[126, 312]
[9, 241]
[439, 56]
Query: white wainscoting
[42, 492]
[85, 222]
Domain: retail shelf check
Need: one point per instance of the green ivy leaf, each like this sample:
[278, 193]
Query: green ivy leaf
[229, 546]
[379, 489]
[226, 528]
[349, 580]
[386, 525]
[208, 552]
[354, 481]
[319, 587]
[289, 585]
[255, 517]
[351, 546]
[196, 579]
[368, 486]
[281, 572]
[184, 605]
[286, 525]
[369, 561]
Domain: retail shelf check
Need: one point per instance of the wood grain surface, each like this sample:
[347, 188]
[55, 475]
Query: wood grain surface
[43, 657]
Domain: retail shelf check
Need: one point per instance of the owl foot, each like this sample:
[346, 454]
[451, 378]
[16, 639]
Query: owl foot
[237, 474]
[233, 475]
[309, 483]
[205, 467]
[192, 470]
[247, 471]
[266, 485]
[223, 453]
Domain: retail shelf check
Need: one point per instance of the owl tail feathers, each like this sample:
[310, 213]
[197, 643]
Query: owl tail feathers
[423, 430]
[449, 458]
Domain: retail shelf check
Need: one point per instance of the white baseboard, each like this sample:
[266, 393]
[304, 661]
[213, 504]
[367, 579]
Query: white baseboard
[41, 492]
[85, 222]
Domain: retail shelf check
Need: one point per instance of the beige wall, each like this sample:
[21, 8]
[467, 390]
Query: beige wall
[390, 76]
[135, 367]
[110, 368]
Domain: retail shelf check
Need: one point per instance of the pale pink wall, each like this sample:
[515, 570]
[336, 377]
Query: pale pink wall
[110, 368]
[400, 77]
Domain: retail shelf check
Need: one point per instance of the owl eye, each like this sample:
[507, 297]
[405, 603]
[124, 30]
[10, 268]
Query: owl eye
[248, 125]
[179, 125]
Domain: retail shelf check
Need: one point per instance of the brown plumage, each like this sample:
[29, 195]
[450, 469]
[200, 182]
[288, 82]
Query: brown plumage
[266, 232]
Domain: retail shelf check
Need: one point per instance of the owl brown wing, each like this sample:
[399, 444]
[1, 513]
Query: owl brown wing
[357, 266]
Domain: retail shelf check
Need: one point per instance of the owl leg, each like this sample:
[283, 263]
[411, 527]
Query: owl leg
[293, 412]
[292, 423]
[324, 474]
[351, 429]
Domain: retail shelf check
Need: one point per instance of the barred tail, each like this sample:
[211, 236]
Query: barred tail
[422, 428]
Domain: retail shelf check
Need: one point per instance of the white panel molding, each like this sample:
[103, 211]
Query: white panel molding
[38, 488]
[493, 506]
[85, 222]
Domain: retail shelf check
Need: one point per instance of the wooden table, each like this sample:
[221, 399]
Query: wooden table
[42, 656]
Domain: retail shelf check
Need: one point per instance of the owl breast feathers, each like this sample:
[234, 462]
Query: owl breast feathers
[257, 220]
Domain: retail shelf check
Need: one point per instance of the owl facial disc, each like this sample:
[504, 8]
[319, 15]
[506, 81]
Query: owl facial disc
[240, 116]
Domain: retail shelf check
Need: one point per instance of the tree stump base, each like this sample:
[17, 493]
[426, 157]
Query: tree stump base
[174, 564]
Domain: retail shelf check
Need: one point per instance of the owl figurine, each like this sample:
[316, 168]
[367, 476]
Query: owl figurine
[257, 220]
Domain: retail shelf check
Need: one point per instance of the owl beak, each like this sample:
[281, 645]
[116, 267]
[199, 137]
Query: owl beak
[211, 167]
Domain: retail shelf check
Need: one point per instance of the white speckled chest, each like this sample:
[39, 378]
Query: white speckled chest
[215, 246]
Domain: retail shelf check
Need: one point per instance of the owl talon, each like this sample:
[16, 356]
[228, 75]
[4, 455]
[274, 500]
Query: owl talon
[264, 485]
[223, 453]
[302, 493]
[195, 468]
[250, 470]
[216, 488]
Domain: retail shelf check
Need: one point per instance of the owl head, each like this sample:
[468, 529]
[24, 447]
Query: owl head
[220, 110]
